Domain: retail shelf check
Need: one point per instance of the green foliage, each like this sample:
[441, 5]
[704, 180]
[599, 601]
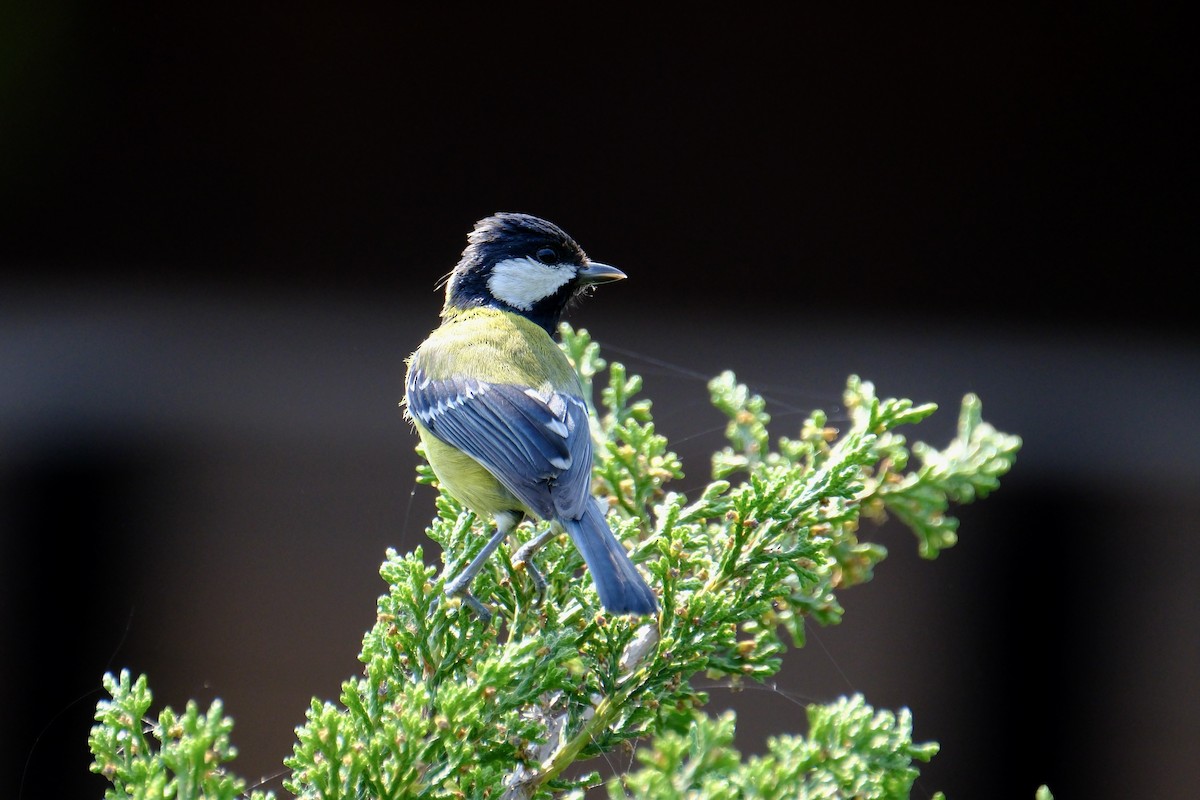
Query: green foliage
[851, 751]
[450, 706]
[188, 760]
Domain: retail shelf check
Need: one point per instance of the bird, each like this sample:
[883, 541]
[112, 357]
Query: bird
[500, 411]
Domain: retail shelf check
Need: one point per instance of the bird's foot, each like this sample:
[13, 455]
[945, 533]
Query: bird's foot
[460, 589]
[524, 558]
[535, 574]
[481, 611]
[468, 599]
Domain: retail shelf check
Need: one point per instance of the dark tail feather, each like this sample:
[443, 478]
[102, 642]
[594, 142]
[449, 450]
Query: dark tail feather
[620, 586]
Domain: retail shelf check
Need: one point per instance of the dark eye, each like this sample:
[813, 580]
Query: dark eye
[547, 256]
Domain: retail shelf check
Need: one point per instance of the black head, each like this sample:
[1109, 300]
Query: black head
[523, 264]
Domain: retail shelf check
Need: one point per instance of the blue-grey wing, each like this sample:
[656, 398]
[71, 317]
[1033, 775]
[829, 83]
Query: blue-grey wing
[537, 444]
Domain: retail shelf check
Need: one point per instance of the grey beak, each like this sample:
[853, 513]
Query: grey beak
[595, 272]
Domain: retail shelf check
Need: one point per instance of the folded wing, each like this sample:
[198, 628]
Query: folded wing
[536, 443]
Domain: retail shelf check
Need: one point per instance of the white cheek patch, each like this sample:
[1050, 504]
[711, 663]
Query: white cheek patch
[521, 282]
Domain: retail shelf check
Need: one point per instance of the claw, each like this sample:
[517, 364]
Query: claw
[524, 557]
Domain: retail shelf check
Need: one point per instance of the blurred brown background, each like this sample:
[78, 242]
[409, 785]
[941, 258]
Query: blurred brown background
[220, 233]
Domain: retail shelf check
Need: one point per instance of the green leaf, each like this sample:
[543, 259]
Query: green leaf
[851, 750]
[178, 756]
[969, 467]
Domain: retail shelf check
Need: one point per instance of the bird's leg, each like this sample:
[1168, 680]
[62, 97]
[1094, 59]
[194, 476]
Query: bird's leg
[459, 585]
[525, 556]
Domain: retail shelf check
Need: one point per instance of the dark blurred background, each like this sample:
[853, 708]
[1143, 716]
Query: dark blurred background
[220, 233]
